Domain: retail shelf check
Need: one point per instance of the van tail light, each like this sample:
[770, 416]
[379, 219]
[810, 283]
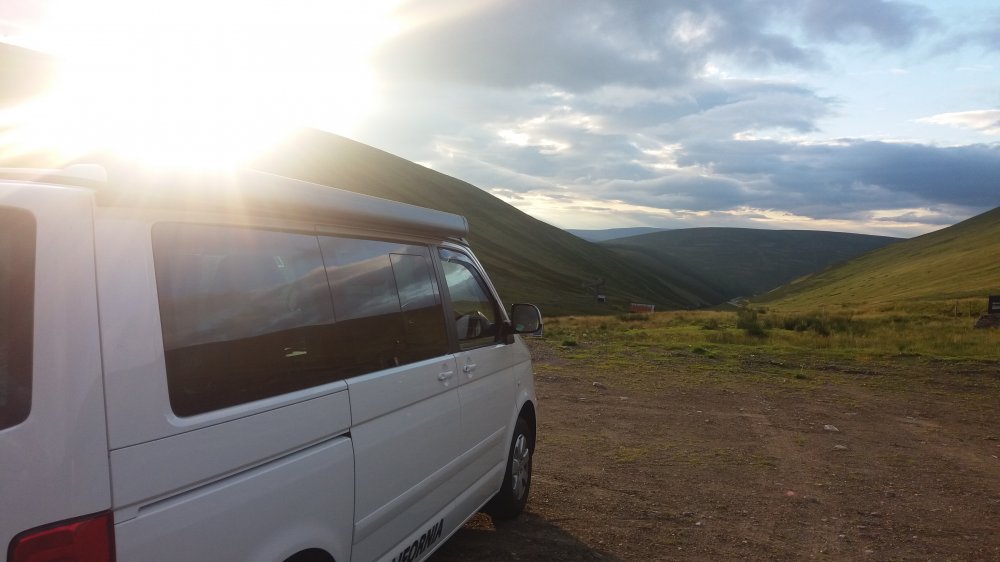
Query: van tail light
[85, 539]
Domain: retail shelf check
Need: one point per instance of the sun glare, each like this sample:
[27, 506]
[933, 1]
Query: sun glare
[198, 83]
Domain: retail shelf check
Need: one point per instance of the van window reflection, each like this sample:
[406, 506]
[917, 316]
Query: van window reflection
[249, 313]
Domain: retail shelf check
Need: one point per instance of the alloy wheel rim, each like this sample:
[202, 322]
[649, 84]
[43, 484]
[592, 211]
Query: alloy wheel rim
[520, 469]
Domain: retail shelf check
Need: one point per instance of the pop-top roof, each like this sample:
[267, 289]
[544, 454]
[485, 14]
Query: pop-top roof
[245, 191]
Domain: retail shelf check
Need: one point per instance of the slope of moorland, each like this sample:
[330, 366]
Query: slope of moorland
[528, 260]
[734, 262]
[957, 262]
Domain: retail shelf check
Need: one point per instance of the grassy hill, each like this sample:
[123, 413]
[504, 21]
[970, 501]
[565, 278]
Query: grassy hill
[733, 262]
[954, 263]
[528, 260]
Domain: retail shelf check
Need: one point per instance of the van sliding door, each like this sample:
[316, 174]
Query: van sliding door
[391, 337]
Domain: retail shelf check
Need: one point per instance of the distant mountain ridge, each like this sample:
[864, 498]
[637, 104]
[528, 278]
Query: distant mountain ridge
[612, 233]
[741, 262]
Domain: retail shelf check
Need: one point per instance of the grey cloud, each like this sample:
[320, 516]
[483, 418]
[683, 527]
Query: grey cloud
[515, 44]
[986, 36]
[716, 109]
[827, 180]
[678, 191]
[891, 24]
[581, 44]
[845, 181]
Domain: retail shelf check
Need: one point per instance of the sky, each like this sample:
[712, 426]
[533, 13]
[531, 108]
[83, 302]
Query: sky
[871, 116]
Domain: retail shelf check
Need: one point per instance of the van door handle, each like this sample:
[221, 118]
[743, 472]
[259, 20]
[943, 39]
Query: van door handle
[445, 375]
[468, 368]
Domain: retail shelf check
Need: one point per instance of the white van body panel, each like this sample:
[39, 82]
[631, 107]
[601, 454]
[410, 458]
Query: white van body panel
[406, 431]
[54, 465]
[236, 519]
[148, 473]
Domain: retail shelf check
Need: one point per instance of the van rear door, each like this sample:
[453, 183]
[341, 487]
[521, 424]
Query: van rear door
[53, 442]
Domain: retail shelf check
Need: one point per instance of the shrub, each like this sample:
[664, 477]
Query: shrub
[712, 324]
[746, 319]
[820, 323]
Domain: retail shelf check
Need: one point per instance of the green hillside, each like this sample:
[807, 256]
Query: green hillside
[733, 262]
[528, 260]
[958, 262]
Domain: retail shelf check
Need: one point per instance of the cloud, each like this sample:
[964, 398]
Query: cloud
[986, 120]
[983, 33]
[890, 24]
[668, 113]
[715, 146]
[581, 45]
[830, 180]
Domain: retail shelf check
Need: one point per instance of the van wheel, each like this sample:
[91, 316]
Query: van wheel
[513, 495]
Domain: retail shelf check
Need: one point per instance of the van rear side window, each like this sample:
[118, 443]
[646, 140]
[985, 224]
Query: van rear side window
[248, 314]
[245, 314]
[17, 297]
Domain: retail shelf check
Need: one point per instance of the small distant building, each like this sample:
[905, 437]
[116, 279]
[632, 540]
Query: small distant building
[602, 298]
[992, 317]
[639, 308]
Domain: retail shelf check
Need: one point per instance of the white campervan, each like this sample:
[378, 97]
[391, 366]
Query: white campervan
[247, 367]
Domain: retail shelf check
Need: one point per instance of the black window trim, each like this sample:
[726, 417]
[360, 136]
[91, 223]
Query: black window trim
[23, 379]
[449, 310]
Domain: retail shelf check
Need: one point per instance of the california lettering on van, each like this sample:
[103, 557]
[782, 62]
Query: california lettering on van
[246, 355]
[418, 547]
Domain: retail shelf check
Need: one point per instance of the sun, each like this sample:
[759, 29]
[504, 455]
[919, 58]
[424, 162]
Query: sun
[196, 83]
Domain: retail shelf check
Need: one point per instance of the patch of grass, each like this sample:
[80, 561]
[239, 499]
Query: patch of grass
[634, 317]
[630, 454]
[845, 334]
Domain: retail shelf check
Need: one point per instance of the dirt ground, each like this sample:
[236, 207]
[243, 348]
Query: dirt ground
[755, 458]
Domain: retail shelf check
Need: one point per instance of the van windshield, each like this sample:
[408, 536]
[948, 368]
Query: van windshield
[17, 292]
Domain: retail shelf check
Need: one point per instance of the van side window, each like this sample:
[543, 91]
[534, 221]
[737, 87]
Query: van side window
[17, 297]
[474, 310]
[386, 302]
[246, 314]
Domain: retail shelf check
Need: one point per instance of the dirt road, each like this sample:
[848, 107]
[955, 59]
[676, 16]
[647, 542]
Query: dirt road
[738, 456]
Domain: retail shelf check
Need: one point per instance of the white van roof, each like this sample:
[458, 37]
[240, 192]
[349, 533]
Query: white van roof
[244, 191]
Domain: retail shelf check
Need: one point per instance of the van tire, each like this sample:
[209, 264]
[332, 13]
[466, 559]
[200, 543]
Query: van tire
[311, 555]
[509, 502]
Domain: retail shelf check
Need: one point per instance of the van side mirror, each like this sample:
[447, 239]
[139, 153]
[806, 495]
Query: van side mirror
[526, 319]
